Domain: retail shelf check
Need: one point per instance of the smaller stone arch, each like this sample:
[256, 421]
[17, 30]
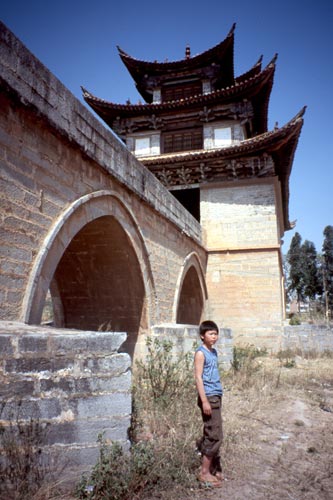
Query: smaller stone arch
[191, 292]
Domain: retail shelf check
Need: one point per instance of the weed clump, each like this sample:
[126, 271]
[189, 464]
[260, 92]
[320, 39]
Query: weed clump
[162, 377]
[287, 358]
[295, 320]
[24, 470]
[117, 475]
[245, 363]
[244, 356]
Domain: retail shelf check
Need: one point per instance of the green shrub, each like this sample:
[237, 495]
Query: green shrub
[245, 364]
[118, 475]
[147, 467]
[244, 356]
[163, 376]
[287, 358]
[294, 320]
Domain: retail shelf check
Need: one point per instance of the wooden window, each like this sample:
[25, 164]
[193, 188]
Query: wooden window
[182, 141]
[175, 93]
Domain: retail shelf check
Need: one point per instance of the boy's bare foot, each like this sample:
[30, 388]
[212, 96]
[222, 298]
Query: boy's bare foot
[203, 478]
[209, 481]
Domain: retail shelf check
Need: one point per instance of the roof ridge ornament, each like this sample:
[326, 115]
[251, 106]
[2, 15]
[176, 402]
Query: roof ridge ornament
[187, 52]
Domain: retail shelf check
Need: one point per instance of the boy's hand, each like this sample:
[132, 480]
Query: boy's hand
[206, 408]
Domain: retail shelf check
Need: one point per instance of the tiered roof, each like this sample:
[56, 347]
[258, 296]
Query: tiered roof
[216, 63]
[244, 98]
[257, 87]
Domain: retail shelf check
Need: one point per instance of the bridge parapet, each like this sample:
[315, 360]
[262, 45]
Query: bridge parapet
[29, 82]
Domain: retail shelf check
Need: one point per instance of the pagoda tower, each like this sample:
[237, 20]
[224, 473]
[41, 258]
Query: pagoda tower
[203, 132]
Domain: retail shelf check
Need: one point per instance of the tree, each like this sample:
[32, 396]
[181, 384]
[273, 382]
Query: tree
[310, 272]
[327, 264]
[286, 272]
[295, 261]
[304, 279]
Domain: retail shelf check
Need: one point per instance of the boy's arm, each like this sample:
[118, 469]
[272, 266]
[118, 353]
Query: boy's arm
[199, 360]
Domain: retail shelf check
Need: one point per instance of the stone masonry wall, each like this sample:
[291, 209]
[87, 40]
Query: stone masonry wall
[247, 291]
[308, 338]
[77, 382]
[244, 278]
[185, 337]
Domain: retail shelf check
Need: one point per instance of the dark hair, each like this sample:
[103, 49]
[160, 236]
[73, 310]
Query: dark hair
[207, 325]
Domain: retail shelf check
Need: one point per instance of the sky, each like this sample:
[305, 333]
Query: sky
[77, 41]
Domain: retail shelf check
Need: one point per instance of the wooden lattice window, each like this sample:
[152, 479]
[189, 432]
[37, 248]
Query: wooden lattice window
[181, 91]
[182, 141]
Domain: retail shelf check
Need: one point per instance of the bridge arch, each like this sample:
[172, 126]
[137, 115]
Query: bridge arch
[191, 292]
[112, 292]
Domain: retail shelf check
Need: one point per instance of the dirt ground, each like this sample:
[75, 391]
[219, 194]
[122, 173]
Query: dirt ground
[278, 435]
[283, 440]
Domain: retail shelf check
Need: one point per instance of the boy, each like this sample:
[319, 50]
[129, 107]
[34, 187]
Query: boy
[210, 392]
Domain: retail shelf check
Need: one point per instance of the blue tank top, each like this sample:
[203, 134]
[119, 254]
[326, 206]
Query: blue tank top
[211, 376]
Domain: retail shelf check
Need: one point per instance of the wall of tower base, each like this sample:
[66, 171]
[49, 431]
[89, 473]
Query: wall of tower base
[245, 295]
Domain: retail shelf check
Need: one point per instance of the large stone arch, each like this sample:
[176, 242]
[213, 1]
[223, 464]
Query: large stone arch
[191, 292]
[75, 262]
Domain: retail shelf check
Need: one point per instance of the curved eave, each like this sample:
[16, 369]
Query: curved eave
[280, 144]
[269, 142]
[139, 68]
[252, 72]
[258, 84]
[283, 157]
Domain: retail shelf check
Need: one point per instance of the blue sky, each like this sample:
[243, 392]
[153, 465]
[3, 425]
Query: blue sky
[77, 41]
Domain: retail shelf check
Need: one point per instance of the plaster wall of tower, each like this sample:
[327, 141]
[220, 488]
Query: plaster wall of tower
[244, 276]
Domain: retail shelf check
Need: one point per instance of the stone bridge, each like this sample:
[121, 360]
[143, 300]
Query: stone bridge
[88, 227]
[82, 219]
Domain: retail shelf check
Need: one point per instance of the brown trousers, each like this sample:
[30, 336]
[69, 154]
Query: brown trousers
[212, 438]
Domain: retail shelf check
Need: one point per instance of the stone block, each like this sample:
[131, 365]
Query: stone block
[110, 405]
[87, 431]
[89, 342]
[28, 365]
[64, 363]
[16, 389]
[80, 459]
[113, 365]
[6, 347]
[32, 343]
[34, 364]
[31, 409]
[227, 333]
[66, 385]
[103, 384]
